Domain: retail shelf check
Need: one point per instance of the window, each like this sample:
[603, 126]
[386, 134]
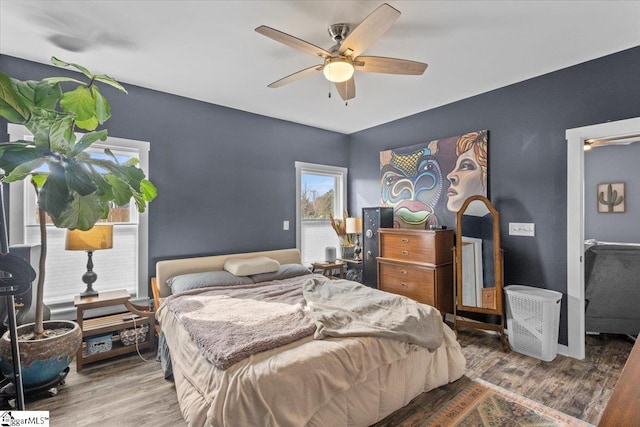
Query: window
[122, 267]
[321, 190]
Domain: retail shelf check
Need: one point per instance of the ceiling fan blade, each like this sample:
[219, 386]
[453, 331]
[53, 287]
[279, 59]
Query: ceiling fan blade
[369, 30]
[292, 41]
[382, 64]
[347, 90]
[296, 76]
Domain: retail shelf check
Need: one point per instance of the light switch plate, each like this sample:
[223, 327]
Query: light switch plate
[522, 229]
[285, 225]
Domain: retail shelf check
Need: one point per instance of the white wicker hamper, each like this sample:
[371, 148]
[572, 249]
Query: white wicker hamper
[533, 320]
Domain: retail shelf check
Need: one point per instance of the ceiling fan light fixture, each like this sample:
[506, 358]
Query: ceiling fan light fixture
[338, 70]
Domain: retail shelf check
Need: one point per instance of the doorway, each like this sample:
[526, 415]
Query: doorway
[575, 222]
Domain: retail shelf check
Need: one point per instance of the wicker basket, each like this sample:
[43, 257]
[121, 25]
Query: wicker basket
[133, 335]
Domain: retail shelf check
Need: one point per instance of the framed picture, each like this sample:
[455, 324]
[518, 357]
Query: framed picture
[611, 198]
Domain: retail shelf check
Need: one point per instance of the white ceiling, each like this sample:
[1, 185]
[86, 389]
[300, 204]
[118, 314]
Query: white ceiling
[208, 50]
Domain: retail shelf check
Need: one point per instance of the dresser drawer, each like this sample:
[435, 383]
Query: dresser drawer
[414, 282]
[423, 246]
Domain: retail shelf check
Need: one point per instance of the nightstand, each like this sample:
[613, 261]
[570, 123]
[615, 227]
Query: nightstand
[102, 332]
[329, 269]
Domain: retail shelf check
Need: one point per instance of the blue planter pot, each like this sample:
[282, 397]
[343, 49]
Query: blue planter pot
[41, 360]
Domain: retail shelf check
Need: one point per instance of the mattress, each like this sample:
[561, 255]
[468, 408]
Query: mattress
[353, 381]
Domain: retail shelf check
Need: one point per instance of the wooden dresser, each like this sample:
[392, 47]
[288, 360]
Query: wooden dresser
[418, 264]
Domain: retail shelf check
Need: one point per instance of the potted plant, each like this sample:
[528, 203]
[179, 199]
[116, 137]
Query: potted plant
[72, 189]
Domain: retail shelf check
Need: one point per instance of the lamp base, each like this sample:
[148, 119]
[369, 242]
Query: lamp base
[89, 277]
[89, 292]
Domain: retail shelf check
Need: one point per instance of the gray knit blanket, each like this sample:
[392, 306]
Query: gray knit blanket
[230, 323]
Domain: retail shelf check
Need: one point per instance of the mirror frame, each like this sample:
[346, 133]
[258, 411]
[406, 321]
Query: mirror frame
[497, 259]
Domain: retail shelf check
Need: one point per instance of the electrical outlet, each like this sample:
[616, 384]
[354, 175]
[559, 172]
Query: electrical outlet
[522, 229]
[285, 225]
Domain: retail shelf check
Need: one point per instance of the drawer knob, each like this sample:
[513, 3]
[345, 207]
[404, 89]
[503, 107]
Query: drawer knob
[403, 272]
[405, 252]
[405, 240]
[404, 285]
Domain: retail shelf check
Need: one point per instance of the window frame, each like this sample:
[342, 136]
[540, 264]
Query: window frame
[18, 206]
[341, 175]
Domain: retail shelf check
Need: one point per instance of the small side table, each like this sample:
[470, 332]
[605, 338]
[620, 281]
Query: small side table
[329, 269]
[106, 325]
[354, 269]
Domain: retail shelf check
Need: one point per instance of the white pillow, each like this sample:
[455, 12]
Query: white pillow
[249, 266]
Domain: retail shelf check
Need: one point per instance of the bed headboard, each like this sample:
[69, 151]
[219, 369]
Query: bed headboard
[173, 267]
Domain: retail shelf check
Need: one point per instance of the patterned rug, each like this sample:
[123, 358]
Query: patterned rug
[484, 404]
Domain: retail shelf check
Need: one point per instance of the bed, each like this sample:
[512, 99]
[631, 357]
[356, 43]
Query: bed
[612, 288]
[335, 381]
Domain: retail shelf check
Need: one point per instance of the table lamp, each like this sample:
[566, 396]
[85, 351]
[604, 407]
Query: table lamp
[97, 238]
[354, 226]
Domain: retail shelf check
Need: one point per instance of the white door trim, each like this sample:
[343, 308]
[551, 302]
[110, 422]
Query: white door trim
[575, 222]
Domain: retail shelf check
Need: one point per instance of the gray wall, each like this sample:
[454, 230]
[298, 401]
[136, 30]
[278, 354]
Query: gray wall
[225, 178]
[605, 165]
[527, 154]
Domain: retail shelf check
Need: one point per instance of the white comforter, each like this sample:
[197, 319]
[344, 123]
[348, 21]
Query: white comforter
[332, 382]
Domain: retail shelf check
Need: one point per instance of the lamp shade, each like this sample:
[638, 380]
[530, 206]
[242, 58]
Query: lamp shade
[99, 237]
[354, 225]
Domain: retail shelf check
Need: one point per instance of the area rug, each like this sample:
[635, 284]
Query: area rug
[484, 404]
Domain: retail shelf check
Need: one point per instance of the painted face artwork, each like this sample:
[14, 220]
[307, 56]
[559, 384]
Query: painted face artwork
[465, 180]
[412, 184]
[414, 180]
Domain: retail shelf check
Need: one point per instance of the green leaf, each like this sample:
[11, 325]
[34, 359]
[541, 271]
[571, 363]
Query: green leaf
[103, 78]
[63, 79]
[82, 213]
[108, 152]
[22, 171]
[104, 188]
[39, 179]
[79, 178]
[61, 135]
[131, 162]
[149, 191]
[89, 124]
[120, 188]
[79, 102]
[54, 196]
[89, 138]
[12, 107]
[51, 130]
[61, 63]
[103, 110]
[13, 156]
[39, 94]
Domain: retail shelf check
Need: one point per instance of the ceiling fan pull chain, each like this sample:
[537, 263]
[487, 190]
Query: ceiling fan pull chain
[329, 88]
[346, 91]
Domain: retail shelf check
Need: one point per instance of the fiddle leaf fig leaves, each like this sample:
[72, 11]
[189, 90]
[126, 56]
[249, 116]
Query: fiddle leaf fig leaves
[88, 139]
[11, 106]
[73, 188]
[82, 213]
[81, 103]
[54, 196]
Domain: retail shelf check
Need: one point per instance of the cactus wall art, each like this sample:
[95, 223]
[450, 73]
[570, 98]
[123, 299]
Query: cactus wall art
[611, 197]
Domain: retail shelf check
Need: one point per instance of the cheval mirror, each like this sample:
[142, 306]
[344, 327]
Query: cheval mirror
[478, 273]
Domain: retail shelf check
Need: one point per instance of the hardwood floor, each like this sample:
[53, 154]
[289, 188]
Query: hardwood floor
[130, 392]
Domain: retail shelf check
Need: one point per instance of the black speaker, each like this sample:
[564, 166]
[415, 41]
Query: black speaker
[372, 220]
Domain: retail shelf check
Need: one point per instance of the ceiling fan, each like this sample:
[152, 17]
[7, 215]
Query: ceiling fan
[342, 59]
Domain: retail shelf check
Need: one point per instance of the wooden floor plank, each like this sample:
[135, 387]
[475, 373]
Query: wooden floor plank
[128, 391]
